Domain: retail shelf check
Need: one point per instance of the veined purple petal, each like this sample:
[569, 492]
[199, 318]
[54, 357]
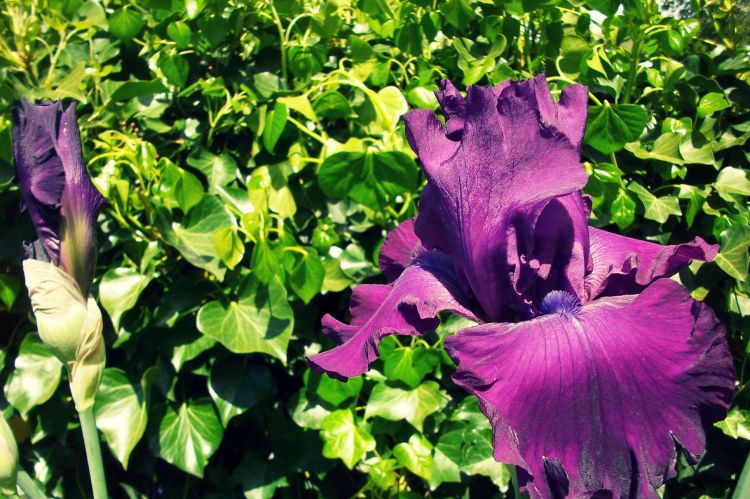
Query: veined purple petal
[595, 398]
[512, 159]
[56, 189]
[39, 170]
[409, 306]
[399, 250]
[622, 265]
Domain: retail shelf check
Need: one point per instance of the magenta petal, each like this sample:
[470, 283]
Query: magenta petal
[595, 398]
[623, 265]
[498, 175]
[400, 248]
[409, 306]
[39, 170]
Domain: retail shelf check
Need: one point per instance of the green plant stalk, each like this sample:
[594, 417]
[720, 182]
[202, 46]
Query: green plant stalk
[28, 486]
[93, 453]
[743, 483]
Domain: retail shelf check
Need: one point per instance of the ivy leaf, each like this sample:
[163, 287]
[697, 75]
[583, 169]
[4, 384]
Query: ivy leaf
[195, 237]
[305, 412]
[406, 364]
[125, 24]
[665, 148]
[656, 208]
[331, 390]
[712, 102]
[413, 405]
[344, 439]
[733, 257]
[371, 179]
[219, 170]
[275, 124]
[119, 291]
[260, 320]
[265, 263]
[35, 377]
[121, 413]
[175, 68]
[236, 388]
[180, 33]
[732, 181]
[622, 210]
[306, 278]
[736, 424]
[259, 478]
[416, 456]
[189, 435]
[611, 126]
[178, 187]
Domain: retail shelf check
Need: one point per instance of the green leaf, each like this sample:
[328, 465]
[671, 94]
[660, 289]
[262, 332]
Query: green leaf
[236, 387]
[733, 257]
[268, 189]
[129, 89]
[261, 320]
[275, 124]
[711, 103]
[219, 170]
[332, 105]
[732, 181]
[610, 127]
[35, 377]
[416, 456]
[119, 291]
[736, 424]
[265, 263]
[10, 287]
[392, 105]
[382, 474]
[665, 148]
[175, 68]
[305, 412]
[180, 33]
[229, 246]
[125, 24]
[656, 208]
[195, 236]
[412, 405]
[404, 363]
[189, 435]
[695, 149]
[371, 179]
[622, 210]
[306, 279]
[458, 13]
[344, 439]
[121, 413]
[331, 390]
[301, 104]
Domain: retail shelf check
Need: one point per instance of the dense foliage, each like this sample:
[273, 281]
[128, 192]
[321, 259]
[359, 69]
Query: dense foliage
[253, 158]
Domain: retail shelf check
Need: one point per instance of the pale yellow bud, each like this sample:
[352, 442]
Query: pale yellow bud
[69, 325]
[8, 459]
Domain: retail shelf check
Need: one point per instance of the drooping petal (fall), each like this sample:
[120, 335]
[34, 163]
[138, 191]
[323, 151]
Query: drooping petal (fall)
[621, 265]
[594, 397]
[39, 170]
[400, 248]
[408, 306]
[513, 158]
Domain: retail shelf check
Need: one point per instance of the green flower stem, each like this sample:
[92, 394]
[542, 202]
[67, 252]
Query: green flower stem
[28, 486]
[93, 453]
[517, 494]
[743, 484]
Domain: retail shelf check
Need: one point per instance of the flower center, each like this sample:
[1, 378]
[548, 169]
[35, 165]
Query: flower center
[560, 302]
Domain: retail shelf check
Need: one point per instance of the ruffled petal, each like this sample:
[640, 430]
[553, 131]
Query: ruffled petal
[409, 306]
[622, 265]
[39, 170]
[400, 248]
[596, 397]
[497, 176]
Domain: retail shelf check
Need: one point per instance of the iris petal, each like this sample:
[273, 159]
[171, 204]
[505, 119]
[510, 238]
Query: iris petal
[595, 400]
[409, 306]
[499, 174]
[622, 265]
[399, 250]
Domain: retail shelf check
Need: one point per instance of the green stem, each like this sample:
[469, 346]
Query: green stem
[28, 486]
[635, 55]
[93, 453]
[743, 484]
[517, 494]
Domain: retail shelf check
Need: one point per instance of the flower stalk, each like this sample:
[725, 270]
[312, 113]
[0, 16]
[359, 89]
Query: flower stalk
[93, 453]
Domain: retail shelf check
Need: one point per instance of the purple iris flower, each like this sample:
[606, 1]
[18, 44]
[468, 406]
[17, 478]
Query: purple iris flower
[591, 365]
[56, 190]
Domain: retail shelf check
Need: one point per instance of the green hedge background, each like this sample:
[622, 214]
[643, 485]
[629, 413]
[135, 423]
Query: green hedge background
[253, 159]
